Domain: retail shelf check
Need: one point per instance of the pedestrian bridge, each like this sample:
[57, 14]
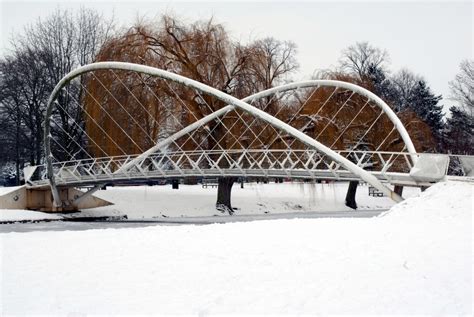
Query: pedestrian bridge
[291, 164]
[114, 122]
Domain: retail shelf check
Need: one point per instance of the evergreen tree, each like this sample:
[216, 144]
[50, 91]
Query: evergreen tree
[425, 104]
[382, 85]
[459, 132]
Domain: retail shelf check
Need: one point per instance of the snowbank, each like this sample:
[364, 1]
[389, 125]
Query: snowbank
[443, 202]
[417, 259]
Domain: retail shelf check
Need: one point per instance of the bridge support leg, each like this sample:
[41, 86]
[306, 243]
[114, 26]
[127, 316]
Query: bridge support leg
[175, 184]
[398, 189]
[351, 194]
[88, 193]
[41, 199]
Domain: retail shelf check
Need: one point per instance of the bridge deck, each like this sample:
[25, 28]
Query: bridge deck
[393, 168]
[87, 180]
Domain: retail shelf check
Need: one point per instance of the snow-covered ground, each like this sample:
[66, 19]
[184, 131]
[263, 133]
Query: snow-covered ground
[196, 201]
[13, 215]
[416, 259]
[159, 201]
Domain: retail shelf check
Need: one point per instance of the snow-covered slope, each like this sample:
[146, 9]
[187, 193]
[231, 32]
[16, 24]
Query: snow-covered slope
[416, 259]
[445, 201]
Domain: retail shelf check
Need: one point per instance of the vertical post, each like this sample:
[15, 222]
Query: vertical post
[398, 189]
[175, 184]
[351, 194]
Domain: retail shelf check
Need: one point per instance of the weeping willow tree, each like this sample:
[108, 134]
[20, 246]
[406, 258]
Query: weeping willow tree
[127, 113]
[202, 51]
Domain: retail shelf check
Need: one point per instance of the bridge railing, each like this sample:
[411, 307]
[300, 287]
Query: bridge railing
[308, 164]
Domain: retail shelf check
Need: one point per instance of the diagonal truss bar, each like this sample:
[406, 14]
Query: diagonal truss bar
[232, 104]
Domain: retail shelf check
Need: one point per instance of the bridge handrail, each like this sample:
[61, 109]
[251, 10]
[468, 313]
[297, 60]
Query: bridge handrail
[73, 165]
[237, 151]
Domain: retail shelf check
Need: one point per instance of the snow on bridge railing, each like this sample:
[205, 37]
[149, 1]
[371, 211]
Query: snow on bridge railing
[308, 164]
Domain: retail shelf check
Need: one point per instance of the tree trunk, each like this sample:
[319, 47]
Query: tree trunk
[17, 147]
[175, 184]
[17, 171]
[398, 189]
[224, 190]
[351, 194]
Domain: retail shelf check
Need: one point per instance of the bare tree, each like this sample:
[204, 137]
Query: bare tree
[272, 61]
[13, 139]
[358, 58]
[23, 95]
[63, 42]
[462, 87]
[404, 83]
[45, 52]
[66, 40]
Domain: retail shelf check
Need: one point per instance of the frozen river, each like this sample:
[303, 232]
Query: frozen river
[78, 225]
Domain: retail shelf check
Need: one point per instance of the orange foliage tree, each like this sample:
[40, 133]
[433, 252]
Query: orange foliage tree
[201, 51]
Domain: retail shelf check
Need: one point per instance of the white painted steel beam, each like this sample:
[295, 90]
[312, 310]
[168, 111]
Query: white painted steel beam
[234, 102]
[304, 84]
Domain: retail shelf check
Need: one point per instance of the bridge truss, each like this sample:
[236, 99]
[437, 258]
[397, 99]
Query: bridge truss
[113, 122]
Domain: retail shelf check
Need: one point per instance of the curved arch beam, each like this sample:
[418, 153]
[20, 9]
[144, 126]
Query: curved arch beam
[268, 92]
[342, 84]
[366, 176]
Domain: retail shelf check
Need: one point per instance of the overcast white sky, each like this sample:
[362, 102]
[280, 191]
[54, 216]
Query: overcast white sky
[429, 38]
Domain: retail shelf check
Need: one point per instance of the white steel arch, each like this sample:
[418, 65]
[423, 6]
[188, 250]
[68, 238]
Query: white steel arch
[233, 103]
[268, 92]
